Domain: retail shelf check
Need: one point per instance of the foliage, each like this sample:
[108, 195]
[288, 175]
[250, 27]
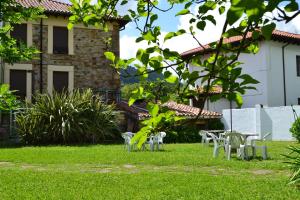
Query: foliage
[12, 13]
[64, 118]
[127, 89]
[156, 90]
[130, 76]
[8, 101]
[294, 161]
[183, 134]
[220, 68]
[295, 129]
[215, 124]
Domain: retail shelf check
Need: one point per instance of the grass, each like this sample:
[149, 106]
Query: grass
[182, 171]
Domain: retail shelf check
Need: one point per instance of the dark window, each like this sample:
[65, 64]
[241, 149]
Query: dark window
[298, 65]
[17, 81]
[60, 81]
[298, 101]
[20, 33]
[60, 40]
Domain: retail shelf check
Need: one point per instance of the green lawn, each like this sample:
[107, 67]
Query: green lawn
[182, 171]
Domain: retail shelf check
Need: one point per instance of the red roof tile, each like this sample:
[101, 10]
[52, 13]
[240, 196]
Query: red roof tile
[276, 36]
[50, 6]
[189, 111]
[141, 113]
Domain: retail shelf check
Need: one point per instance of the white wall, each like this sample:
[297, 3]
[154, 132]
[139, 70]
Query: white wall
[266, 67]
[275, 120]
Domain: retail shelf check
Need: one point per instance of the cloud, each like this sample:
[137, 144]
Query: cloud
[186, 42]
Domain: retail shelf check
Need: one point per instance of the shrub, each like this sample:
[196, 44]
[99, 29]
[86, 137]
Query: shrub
[8, 101]
[295, 129]
[294, 161]
[66, 119]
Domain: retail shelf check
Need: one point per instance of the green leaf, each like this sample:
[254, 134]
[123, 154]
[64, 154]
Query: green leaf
[292, 7]
[110, 56]
[169, 36]
[221, 10]
[183, 12]
[239, 99]
[201, 25]
[234, 14]
[267, 30]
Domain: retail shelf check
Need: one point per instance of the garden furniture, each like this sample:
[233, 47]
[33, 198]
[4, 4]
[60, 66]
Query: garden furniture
[236, 141]
[156, 140]
[262, 147]
[218, 143]
[127, 136]
[205, 138]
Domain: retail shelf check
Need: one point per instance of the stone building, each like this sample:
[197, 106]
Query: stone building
[69, 58]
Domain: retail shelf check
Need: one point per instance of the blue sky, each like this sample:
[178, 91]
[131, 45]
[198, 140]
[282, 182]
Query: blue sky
[169, 22]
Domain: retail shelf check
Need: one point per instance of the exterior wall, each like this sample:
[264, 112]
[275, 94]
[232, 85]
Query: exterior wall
[86, 48]
[274, 120]
[275, 77]
[267, 67]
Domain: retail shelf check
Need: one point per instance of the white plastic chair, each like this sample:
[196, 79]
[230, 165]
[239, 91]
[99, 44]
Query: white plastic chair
[236, 141]
[218, 143]
[205, 138]
[157, 140]
[262, 147]
[127, 136]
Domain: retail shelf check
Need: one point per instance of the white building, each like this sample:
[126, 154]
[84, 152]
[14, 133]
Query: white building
[276, 66]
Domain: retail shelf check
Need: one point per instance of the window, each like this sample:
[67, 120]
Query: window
[20, 33]
[60, 40]
[298, 101]
[18, 82]
[60, 81]
[298, 65]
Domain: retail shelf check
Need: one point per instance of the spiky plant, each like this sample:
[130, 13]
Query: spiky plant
[65, 118]
[294, 162]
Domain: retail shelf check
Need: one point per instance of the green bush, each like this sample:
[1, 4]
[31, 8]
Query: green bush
[8, 101]
[183, 134]
[67, 119]
[294, 161]
[295, 129]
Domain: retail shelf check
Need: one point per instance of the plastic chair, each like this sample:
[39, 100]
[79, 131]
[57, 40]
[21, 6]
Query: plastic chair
[262, 147]
[205, 138]
[236, 141]
[157, 140]
[127, 136]
[218, 143]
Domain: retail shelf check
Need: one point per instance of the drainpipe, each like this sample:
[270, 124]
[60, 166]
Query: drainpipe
[283, 70]
[41, 56]
[1, 61]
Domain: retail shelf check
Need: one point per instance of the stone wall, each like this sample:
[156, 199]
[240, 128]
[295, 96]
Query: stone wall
[91, 69]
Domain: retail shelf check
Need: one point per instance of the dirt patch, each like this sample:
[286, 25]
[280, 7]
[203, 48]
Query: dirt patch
[262, 172]
[129, 166]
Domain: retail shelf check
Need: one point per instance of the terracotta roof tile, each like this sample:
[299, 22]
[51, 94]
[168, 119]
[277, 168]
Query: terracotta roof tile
[213, 90]
[189, 111]
[50, 6]
[276, 36]
[141, 113]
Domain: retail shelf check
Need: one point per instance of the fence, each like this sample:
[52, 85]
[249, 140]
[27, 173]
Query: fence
[275, 120]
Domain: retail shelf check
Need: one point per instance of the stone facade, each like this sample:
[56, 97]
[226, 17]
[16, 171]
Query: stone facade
[91, 69]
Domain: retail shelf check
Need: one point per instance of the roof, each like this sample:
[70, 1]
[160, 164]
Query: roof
[139, 112]
[190, 111]
[59, 8]
[212, 91]
[50, 6]
[280, 36]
